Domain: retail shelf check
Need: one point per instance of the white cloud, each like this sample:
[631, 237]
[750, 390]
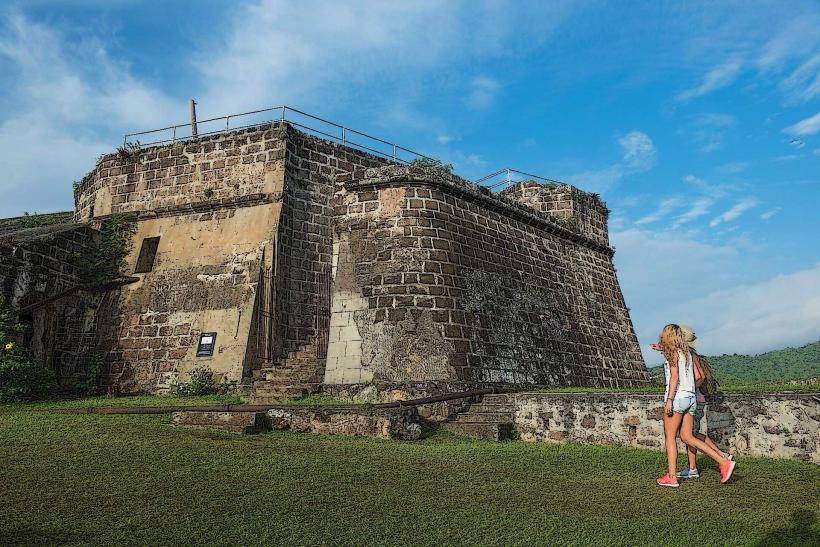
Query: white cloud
[660, 271]
[804, 82]
[713, 190]
[808, 126]
[734, 167]
[738, 209]
[638, 155]
[770, 213]
[463, 160]
[332, 54]
[68, 103]
[793, 50]
[700, 207]
[718, 77]
[665, 207]
[598, 180]
[639, 151]
[795, 39]
[445, 139]
[777, 312]
[483, 91]
[669, 277]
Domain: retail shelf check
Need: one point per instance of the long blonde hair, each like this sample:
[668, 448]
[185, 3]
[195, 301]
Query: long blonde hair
[671, 342]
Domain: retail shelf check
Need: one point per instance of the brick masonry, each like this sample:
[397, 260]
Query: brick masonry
[377, 274]
[463, 285]
[38, 263]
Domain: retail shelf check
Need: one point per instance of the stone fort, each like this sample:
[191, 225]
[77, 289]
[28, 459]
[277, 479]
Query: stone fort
[290, 263]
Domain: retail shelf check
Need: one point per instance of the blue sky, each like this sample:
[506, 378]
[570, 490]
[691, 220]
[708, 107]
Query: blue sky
[698, 122]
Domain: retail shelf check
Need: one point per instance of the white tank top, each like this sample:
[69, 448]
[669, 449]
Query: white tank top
[686, 375]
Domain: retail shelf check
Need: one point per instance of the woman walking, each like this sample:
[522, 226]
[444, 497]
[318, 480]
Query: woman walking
[679, 406]
[705, 389]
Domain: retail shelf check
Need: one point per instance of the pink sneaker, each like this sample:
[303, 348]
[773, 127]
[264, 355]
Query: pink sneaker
[668, 480]
[726, 470]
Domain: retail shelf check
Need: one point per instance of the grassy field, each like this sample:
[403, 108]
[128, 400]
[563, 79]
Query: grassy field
[321, 400]
[93, 479]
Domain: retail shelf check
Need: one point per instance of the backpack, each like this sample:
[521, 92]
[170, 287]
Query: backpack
[709, 387]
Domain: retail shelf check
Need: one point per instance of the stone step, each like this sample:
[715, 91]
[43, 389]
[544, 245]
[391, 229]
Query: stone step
[235, 422]
[487, 431]
[486, 417]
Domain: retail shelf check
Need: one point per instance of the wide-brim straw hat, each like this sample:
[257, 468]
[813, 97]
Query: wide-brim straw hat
[689, 336]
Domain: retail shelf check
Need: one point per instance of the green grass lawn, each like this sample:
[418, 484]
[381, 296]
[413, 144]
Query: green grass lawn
[126, 479]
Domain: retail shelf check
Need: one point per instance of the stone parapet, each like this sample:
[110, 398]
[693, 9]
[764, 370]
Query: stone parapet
[776, 425]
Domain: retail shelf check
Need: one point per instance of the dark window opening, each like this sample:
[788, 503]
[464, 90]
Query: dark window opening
[148, 252]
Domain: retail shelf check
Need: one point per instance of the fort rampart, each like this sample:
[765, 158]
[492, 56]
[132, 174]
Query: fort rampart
[305, 254]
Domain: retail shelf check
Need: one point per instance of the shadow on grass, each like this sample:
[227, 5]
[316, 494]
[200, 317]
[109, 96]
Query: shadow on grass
[800, 531]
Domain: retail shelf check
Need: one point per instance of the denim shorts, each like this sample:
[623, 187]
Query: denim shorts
[684, 404]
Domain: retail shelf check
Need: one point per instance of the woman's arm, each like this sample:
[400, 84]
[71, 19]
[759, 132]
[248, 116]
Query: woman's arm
[673, 388]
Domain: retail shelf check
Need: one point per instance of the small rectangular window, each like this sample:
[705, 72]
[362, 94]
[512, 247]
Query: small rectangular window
[148, 252]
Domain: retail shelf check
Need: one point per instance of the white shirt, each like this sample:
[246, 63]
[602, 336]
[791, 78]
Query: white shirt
[686, 376]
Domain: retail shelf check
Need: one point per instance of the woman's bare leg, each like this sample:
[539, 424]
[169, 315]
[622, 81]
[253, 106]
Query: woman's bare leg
[671, 425]
[692, 456]
[689, 438]
[708, 440]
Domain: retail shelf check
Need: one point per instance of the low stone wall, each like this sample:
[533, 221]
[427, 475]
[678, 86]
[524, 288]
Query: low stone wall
[388, 423]
[777, 425]
[398, 423]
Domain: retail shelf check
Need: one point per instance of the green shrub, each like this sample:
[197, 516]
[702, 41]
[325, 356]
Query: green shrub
[88, 382]
[21, 378]
[432, 163]
[201, 383]
[107, 259]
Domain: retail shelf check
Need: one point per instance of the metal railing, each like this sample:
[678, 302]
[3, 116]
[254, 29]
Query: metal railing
[508, 175]
[331, 130]
[328, 129]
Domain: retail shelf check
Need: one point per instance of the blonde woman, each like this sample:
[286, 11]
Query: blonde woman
[679, 406]
[706, 389]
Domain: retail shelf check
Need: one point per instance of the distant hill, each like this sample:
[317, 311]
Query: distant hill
[779, 365]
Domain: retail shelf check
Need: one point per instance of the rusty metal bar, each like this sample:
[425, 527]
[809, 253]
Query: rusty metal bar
[448, 397]
[104, 286]
[261, 408]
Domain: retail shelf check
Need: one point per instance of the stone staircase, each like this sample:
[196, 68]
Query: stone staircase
[492, 418]
[275, 384]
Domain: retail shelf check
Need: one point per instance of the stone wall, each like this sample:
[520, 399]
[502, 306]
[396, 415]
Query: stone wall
[370, 273]
[575, 209]
[38, 263]
[304, 257]
[463, 285]
[214, 203]
[228, 209]
[203, 279]
[778, 425]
